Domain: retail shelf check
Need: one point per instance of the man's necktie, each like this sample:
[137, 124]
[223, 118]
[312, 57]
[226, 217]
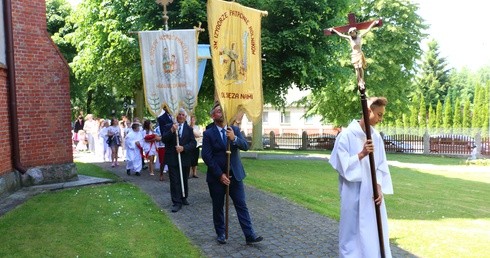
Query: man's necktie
[223, 135]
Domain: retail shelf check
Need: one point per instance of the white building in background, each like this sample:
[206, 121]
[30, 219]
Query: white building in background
[290, 121]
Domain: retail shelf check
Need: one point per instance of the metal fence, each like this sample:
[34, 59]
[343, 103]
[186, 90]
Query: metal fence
[447, 144]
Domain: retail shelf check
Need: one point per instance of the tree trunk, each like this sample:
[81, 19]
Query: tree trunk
[90, 95]
[139, 99]
[257, 135]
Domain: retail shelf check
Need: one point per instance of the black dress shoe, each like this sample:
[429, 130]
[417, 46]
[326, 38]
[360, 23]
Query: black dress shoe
[176, 208]
[252, 240]
[221, 239]
[138, 173]
[128, 172]
[185, 202]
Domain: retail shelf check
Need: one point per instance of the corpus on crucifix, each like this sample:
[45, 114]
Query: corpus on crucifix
[355, 41]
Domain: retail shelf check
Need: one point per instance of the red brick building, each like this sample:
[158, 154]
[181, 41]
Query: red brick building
[34, 101]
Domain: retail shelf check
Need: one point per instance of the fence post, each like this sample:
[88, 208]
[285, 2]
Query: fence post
[478, 143]
[272, 140]
[426, 142]
[304, 140]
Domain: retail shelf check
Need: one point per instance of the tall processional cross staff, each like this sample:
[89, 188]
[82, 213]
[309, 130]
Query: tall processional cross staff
[177, 133]
[165, 16]
[359, 63]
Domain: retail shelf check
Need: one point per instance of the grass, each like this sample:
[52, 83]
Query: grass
[98, 221]
[433, 213]
[430, 215]
[88, 169]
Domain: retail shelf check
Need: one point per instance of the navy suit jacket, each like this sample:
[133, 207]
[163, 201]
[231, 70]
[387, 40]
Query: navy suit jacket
[165, 122]
[214, 154]
[187, 140]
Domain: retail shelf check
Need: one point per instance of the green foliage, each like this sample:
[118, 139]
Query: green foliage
[457, 119]
[480, 108]
[391, 52]
[467, 114]
[56, 13]
[422, 122]
[294, 47]
[439, 115]
[447, 122]
[433, 79]
[414, 113]
[108, 61]
[432, 118]
[486, 110]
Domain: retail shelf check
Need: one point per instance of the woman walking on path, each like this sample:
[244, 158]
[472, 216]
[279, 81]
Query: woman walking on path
[114, 140]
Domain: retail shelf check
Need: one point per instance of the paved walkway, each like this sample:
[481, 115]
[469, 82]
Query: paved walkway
[288, 229]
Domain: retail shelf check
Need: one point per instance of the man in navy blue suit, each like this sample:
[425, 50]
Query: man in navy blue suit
[165, 120]
[187, 143]
[214, 155]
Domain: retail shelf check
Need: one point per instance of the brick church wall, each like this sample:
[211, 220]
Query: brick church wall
[5, 145]
[43, 89]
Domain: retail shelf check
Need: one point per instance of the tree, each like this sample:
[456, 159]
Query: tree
[422, 118]
[467, 115]
[414, 113]
[391, 52]
[433, 78]
[56, 13]
[479, 105]
[439, 116]
[108, 61]
[59, 26]
[486, 110]
[447, 122]
[432, 120]
[457, 121]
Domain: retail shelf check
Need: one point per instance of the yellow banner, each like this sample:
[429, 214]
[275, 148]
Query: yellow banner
[234, 35]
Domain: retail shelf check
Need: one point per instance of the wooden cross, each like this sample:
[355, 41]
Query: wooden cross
[165, 16]
[352, 23]
[362, 90]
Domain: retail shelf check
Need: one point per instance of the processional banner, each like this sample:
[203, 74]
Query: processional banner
[170, 74]
[234, 36]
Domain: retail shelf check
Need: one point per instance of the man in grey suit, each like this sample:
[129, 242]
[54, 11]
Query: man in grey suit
[214, 155]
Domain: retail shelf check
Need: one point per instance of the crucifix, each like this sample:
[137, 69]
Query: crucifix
[359, 63]
[165, 16]
[355, 40]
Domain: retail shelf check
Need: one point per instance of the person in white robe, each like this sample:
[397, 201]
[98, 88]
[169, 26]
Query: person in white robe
[358, 233]
[134, 141]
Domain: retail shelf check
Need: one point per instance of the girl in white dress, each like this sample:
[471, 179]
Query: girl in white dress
[149, 145]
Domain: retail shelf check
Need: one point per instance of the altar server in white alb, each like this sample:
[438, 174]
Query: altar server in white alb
[134, 140]
[358, 233]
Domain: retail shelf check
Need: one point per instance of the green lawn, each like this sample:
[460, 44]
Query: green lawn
[116, 220]
[433, 213]
[430, 215]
